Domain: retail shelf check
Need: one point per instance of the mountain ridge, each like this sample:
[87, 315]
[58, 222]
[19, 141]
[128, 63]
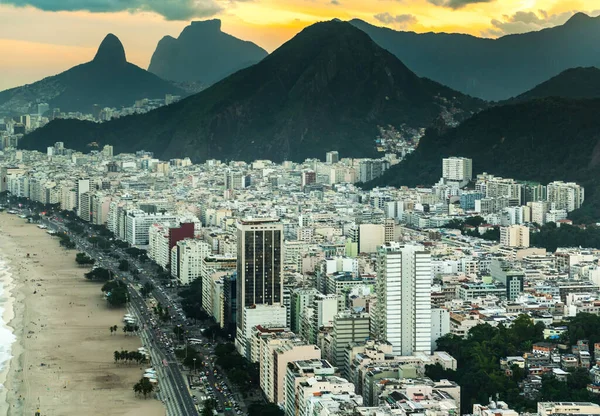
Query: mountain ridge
[203, 53]
[494, 69]
[107, 80]
[330, 87]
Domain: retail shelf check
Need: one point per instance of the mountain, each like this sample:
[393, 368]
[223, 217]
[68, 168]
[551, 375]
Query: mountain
[494, 69]
[108, 80]
[572, 83]
[330, 87]
[540, 140]
[203, 53]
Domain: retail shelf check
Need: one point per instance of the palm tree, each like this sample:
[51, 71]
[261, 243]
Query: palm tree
[117, 355]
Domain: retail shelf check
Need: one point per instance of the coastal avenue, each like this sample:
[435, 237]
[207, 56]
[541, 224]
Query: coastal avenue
[173, 385]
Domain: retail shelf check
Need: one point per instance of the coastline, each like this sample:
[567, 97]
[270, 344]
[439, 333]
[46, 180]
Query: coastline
[8, 320]
[62, 356]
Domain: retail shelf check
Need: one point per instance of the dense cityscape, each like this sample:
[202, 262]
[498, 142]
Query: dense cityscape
[348, 301]
[300, 208]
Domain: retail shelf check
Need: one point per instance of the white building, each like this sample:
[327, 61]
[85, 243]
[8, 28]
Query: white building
[138, 223]
[403, 310]
[440, 325]
[567, 408]
[186, 260]
[458, 169]
[568, 196]
[263, 315]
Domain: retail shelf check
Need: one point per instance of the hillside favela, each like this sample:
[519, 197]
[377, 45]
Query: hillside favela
[300, 208]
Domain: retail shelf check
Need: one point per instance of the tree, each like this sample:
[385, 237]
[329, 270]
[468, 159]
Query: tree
[147, 289]
[264, 409]
[99, 274]
[124, 265]
[83, 259]
[144, 386]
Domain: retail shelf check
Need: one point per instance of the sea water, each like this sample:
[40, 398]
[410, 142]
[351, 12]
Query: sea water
[6, 334]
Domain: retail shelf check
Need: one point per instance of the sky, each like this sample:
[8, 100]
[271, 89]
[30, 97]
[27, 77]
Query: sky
[39, 38]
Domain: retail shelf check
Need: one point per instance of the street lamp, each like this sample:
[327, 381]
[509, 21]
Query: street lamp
[194, 365]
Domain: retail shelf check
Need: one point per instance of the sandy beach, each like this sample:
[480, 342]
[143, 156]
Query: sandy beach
[63, 356]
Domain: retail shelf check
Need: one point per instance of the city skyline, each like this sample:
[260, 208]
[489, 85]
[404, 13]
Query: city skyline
[47, 40]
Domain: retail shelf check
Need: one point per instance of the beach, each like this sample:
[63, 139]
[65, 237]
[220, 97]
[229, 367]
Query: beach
[62, 357]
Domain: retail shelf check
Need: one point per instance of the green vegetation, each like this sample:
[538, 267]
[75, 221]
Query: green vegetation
[163, 314]
[84, 260]
[113, 329]
[100, 242]
[187, 354]
[524, 149]
[128, 357]
[116, 292]
[478, 358]
[264, 409]
[65, 241]
[147, 289]
[99, 274]
[492, 234]
[207, 407]
[239, 371]
[124, 265]
[191, 301]
[143, 387]
[128, 328]
[549, 236]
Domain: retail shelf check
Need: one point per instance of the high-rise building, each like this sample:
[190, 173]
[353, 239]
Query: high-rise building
[81, 186]
[403, 311]
[568, 196]
[332, 157]
[457, 169]
[259, 267]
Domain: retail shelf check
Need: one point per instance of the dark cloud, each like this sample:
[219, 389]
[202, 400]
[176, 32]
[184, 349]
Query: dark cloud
[457, 4]
[522, 22]
[400, 20]
[170, 9]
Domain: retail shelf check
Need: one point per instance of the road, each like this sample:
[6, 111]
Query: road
[173, 388]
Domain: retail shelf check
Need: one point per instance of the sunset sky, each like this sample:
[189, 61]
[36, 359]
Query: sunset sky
[44, 37]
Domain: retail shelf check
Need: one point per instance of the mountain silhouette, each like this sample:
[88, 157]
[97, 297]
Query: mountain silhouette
[108, 81]
[203, 53]
[572, 83]
[330, 87]
[494, 69]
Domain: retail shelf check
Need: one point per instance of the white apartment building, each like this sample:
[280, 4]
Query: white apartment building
[138, 223]
[186, 260]
[514, 236]
[457, 169]
[264, 315]
[308, 379]
[403, 310]
[568, 196]
[158, 244]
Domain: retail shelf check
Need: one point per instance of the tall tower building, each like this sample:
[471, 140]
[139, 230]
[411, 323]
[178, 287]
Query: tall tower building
[81, 186]
[259, 269]
[403, 312]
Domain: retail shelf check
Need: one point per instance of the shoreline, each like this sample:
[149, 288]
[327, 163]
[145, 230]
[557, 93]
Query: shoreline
[9, 318]
[62, 355]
